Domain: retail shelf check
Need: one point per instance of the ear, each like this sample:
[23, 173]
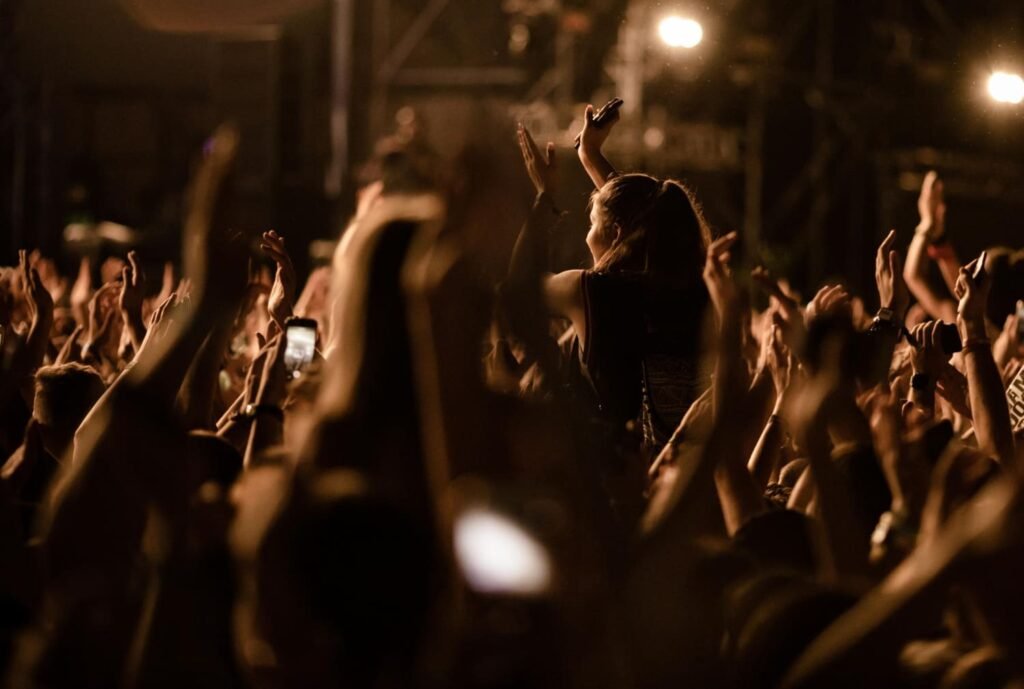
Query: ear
[618, 233]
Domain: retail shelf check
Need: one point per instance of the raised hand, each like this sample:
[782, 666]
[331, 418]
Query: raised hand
[989, 408]
[541, 166]
[39, 305]
[37, 297]
[931, 206]
[81, 292]
[788, 314]
[48, 274]
[927, 355]
[160, 322]
[282, 294]
[592, 137]
[830, 300]
[973, 295]
[718, 275]
[207, 256]
[892, 289]
[929, 362]
[130, 299]
[103, 315]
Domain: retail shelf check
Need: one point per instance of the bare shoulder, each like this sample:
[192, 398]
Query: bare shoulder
[563, 291]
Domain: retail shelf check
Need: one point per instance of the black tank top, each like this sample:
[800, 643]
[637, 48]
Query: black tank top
[642, 354]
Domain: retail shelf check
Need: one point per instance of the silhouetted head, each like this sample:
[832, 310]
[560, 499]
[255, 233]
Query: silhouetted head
[640, 223]
[64, 395]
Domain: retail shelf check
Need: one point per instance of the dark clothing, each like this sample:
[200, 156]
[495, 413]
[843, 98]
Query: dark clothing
[642, 356]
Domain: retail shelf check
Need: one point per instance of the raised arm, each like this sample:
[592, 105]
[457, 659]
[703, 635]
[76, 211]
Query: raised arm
[281, 301]
[128, 452]
[734, 404]
[529, 283]
[40, 307]
[930, 234]
[530, 253]
[133, 292]
[591, 140]
[763, 460]
[985, 386]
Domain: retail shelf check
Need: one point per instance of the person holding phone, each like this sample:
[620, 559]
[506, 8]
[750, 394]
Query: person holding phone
[638, 310]
[300, 345]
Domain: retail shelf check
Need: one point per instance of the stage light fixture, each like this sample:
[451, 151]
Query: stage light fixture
[1005, 87]
[680, 32]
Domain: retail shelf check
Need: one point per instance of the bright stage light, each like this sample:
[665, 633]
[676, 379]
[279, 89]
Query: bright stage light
[679, 32]
[1006, 88]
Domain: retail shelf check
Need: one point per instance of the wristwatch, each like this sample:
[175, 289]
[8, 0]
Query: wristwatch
[885, 318]
[885, 315]
[251, 411]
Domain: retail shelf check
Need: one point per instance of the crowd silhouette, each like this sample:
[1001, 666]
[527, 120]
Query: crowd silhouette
[654, 471]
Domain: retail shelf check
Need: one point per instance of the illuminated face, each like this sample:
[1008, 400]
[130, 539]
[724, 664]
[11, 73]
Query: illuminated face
[599, 238]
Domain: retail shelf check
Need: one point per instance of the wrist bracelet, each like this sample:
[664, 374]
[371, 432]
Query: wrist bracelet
[941, 249]
[253, 410]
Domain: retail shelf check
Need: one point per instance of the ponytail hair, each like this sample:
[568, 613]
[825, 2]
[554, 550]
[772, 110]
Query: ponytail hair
[662, 231]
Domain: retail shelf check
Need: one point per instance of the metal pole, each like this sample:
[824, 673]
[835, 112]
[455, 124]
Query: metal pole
[341, 92]
[823, 73]
[754, 170]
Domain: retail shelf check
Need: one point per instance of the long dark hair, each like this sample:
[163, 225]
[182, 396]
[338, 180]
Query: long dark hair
[662, 229]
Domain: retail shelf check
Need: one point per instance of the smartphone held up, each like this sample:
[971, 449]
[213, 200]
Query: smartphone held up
[300, 345]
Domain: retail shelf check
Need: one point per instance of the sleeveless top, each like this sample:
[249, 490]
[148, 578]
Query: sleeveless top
[642, 355]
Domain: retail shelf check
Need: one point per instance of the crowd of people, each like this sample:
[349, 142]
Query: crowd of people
[654, 471]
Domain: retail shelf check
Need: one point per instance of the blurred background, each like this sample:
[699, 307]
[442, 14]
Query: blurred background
[806, 124]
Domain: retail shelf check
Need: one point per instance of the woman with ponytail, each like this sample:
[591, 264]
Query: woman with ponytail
[638, 311]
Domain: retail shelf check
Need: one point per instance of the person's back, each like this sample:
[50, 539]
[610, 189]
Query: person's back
[642, 353]
[64, 394]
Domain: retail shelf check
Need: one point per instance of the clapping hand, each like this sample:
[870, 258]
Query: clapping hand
[718, 275]
[133, 288]
[282, 294]
[892, 289]
[540, 165]
[37, 298]
[788, 314]
[931, 205]
[972, 291]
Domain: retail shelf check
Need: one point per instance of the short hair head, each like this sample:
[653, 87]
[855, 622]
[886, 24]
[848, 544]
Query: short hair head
[64, 395]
